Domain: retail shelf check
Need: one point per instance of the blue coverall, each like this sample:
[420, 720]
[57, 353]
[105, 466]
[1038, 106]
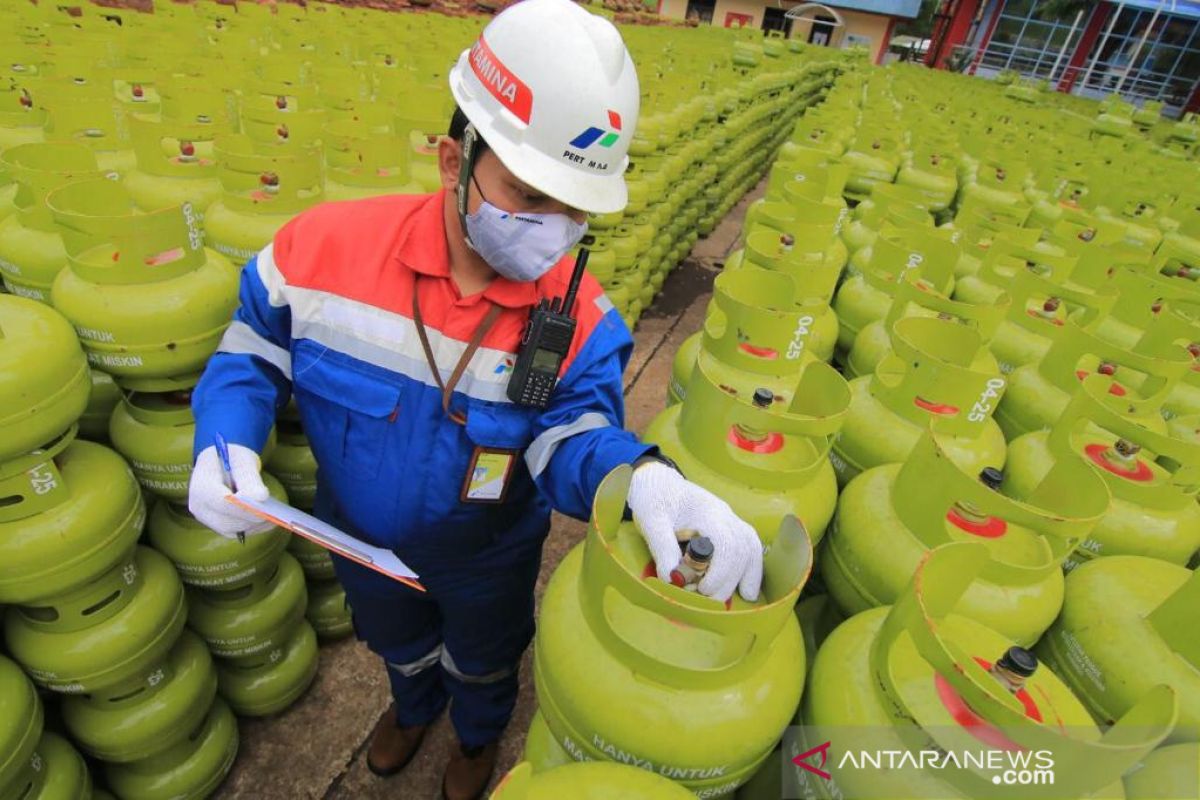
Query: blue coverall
[326, 314]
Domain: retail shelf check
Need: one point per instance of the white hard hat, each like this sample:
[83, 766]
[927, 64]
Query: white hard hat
[553, 92]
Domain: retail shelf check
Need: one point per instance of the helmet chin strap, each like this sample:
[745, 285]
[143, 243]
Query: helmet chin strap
[466, 170]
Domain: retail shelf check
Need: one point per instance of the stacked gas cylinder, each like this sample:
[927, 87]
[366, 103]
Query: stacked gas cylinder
[95, 617]
[143, 160]
[1002, 468]
[260, 115]
[707, 132]
[1121, 119]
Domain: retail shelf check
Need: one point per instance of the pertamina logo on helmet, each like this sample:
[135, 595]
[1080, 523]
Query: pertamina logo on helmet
[591, 136]
[507, 88]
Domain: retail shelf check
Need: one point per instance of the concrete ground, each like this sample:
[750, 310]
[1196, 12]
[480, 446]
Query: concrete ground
[317, 748]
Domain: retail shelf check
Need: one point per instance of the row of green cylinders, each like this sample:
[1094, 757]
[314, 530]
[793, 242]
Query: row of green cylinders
[100, 594]
[944, 525]
[677, 194]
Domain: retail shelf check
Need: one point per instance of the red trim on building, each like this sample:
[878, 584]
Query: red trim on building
[952, 32]
[887, 38]
[941, 19]
[987, 36]
[1193, 103]
[1083, 49]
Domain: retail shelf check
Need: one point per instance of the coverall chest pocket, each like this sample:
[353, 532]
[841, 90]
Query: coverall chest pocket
[348, 413]
[502, 426]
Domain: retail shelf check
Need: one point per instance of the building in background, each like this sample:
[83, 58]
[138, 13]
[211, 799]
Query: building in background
[841, 23]
[1145, 49]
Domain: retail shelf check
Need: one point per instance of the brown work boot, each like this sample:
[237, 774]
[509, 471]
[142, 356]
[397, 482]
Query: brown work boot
[392, 746]
[468, 772]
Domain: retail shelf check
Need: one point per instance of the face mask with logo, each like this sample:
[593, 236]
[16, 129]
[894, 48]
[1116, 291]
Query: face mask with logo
[520, 246]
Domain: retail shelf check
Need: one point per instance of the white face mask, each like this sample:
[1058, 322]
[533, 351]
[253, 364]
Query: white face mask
[518, 245]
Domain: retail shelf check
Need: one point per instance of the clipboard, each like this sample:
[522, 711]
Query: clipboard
[325, 535]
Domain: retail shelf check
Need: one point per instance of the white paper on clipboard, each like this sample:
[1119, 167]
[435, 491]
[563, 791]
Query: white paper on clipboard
[382, 561]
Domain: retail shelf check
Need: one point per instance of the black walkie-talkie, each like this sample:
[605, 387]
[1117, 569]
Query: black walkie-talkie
[545, 344]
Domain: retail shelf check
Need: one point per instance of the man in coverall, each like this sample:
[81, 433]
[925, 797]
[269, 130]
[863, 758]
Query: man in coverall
[396, 321]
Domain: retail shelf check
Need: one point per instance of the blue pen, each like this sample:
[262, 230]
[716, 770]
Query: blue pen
[227, 468]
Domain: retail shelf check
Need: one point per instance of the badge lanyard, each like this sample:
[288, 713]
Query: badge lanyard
[490, 469]
[461, 367]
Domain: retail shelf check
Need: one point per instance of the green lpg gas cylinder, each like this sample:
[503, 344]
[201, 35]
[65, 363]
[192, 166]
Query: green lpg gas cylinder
[758, 333]
[148, 300]
[73, 512]
[273, 680]
[107, 638]
[1138, 209]
[915, 297]
[176, 162]
[900, 206]
[1181, 330]
[890, 516]
[263, 186]
[270, 126]
[20, 728]
[1038, 393]
[44, 386]
[1154, 511]
[1145, 295]
[313, 558]
[422, 128]
[1171, 772]
[607, 619]
[977, 231]
[543, 749]
[866, 296]
[602, 262]
[255, 618]
[365, 161]
[208, 560]
[156, 716]
[1038, 315]
[1182, 245]
[920, 677]
[930, 375]
[872, 160]
[810, 176]
[818, 615]
[587, 781]
[1060, 200]
[1127, 625]
[191, 770]
[93, 121]
[805, 243]
[21, 121]
[102, 401]
[31, 250]
[999, 189]
[931, 171]
[1005, 259]
[8, 193]
[292, 461]
[328, 612]
[767, 455]
[154, 432]
[60, 773]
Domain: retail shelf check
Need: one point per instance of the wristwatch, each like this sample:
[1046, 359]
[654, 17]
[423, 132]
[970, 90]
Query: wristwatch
[646, 458]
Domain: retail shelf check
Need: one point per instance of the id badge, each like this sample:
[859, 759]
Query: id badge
[488, 475]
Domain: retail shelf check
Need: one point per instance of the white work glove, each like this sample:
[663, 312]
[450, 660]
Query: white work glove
[207, 492]
[663, 502]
